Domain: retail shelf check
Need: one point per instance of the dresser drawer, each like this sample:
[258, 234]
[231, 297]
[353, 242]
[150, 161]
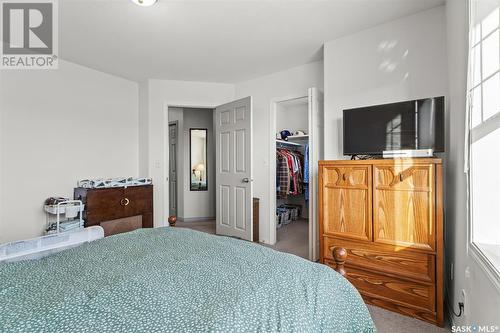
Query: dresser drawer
[413, 265]
[411, 294]
[355, 176]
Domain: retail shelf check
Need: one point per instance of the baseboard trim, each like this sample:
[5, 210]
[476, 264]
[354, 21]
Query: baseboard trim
[195, 219]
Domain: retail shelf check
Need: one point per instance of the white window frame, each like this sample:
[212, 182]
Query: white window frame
[475, 133]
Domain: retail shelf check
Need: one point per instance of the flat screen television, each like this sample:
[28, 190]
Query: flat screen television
[417, 124]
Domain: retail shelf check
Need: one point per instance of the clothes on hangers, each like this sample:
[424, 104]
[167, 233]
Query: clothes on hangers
[289, 172]
[282, 175]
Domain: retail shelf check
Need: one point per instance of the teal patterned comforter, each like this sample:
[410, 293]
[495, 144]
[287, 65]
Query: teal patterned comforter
[176, 280]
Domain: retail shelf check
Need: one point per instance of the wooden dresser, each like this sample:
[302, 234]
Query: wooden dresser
[117, 209]
[388, 216]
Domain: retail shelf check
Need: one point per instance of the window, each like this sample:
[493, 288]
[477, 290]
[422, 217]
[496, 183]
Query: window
[484, 121]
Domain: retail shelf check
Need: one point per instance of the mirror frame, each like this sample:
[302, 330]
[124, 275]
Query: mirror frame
[191, 188]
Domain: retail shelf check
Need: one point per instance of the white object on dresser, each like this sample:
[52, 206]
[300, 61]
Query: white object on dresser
[408, 153]
[114, 182]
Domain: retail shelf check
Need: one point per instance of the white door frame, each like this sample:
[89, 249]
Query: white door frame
[272, 172]
[166, 141]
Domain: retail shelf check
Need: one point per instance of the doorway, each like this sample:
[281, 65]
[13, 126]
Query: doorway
[296, 136]
[228, 187]
[191, 149]
[292, 181]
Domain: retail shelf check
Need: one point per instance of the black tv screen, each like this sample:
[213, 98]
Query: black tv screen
[417, 124]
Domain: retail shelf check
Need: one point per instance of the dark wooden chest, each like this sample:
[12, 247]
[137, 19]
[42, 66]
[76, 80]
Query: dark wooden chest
[118, 209]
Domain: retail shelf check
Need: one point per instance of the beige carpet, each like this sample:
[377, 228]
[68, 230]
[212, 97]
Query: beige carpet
[390, 322]
[205, 226]
[293, 238]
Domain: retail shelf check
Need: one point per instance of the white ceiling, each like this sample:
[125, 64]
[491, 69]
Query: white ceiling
[219, 41]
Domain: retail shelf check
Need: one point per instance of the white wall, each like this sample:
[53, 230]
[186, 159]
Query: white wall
[59, 126]
[400, 60]
[164, 93]
[293, 116]
[290, 83]
[483, 298]
[143, 128]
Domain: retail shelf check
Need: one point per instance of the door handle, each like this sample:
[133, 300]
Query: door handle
[247, 180]
[124, 201]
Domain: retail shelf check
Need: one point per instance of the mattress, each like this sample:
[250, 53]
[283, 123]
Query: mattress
[176, 280]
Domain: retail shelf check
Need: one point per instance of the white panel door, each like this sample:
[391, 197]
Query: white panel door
[316, 126]
[233, 132]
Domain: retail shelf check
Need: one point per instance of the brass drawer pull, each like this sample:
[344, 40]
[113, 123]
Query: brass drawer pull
[124, 201]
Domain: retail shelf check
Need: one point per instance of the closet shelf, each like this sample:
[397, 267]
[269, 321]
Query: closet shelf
[298, 137]
[282, 142]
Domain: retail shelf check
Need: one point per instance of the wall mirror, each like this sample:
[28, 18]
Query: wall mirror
[198, 159]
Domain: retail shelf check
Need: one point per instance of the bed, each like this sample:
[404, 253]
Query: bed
[176, 280]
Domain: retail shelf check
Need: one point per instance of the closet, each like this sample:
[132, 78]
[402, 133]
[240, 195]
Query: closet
[297, 128]
[292, 181]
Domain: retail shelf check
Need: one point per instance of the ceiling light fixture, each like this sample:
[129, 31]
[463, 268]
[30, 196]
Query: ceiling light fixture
[144, 3]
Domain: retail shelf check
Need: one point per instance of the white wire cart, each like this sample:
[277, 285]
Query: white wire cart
[64, 216]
